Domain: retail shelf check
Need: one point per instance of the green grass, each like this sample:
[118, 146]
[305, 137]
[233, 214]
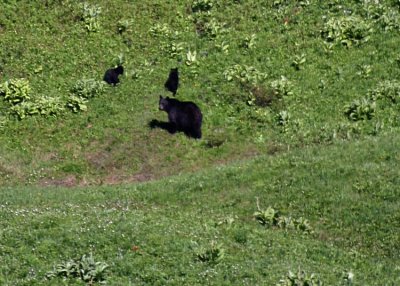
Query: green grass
[48, 44]
[350, 202]
[300, 103]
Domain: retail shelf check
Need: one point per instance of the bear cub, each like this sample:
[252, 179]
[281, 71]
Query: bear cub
[111, 75]
[183, 116]
[172, 82]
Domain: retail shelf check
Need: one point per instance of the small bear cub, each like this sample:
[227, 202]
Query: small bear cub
[111, 75]
[183, 116]
[172, 82]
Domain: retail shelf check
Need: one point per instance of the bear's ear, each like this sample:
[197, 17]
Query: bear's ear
[161, 97]
[167, 97]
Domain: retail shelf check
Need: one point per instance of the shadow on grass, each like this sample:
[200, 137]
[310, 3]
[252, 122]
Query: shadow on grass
[162, 125]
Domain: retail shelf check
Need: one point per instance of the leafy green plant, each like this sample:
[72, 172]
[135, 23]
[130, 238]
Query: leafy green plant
[268, 217]
[16, 91]
[271, 217]
[77, 103]
[160, 30]
[360, 109]
[301, 278]
[85, 269]
[298, 61]
[249, 42]
[212, 29]
[213, 254]
[202, 5]
[174, 50]
[347, 30]
[124, 25]
[282, 87]
[88, 88]
[90, 16]
[388, 89]
[244, 74]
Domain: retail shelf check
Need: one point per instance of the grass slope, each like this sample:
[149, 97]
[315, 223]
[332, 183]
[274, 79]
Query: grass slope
[155, 233]
[332, 53]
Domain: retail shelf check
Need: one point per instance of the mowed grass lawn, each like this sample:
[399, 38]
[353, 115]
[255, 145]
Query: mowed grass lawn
[200, 229]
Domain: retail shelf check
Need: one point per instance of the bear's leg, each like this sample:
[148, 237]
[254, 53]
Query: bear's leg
[172, 128]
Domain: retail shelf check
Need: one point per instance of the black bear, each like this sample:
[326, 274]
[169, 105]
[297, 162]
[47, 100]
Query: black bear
[111, 75]
[183, 116]
[172, 82]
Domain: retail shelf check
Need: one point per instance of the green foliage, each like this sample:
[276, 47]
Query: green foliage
[388, 89]
[85, 268]
[16, 91]
[249, 42]
[77, 103]
[271, 217]
[244, 74]
[301, 278]
[90, 16]
[202, 5]
[360, 109]
[125, 26]
[346, 30]
[282, 87]
[384, 14]
[88, 88]
[213, 254]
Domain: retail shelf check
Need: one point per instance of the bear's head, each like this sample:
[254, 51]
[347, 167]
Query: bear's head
[163, 103]
[119, 70]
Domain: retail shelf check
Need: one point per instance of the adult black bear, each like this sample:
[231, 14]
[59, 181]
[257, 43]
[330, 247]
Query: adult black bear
[172, 82]
[111, 75]
[183, 116]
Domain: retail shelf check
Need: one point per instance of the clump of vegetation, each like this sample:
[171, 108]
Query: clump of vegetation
[388, 89]
[360, 109]
[90, 16]
[17, 93]
[346, 30]
[272, 218]
[244, 74]
[301, 278]
[88, 88]
[85, 268]
[213, 254]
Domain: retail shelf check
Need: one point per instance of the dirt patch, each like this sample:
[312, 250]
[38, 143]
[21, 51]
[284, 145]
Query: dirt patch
[68, 181]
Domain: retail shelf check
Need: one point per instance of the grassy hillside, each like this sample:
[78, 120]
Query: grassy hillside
[267, 76]
[338, 220]
[297, 170]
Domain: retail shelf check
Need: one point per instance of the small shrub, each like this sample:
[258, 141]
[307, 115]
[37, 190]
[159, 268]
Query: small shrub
[249, 42]
[16, 90]
[124, 26]
[347, 30]
[272, 218]
[85, 268]
[282, 87]
[88, 88]
[388, 89]
[202, 6]
[90, 16]
[213, 254]
[298, 61]
[160, 30]
[301, 278]
[360, 109]
[244, 74]
[77, 103]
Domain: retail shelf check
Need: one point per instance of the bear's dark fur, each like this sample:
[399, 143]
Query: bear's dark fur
[172, 82]
[183, 116]
[111, 75]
